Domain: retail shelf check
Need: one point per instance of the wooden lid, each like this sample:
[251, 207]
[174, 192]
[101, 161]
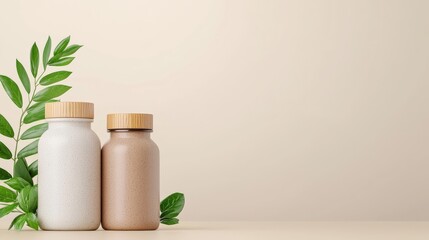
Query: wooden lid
[69, 110]
[129, 121]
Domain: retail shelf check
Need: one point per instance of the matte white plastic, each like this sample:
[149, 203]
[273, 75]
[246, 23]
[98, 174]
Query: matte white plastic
[69, 176]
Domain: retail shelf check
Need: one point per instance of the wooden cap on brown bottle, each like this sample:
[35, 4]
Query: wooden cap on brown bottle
[69, 110]
[129, 121]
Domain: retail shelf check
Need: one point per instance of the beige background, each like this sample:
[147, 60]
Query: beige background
[264, 110]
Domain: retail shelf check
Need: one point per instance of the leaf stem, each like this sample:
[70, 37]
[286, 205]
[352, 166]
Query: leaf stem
[21, 122]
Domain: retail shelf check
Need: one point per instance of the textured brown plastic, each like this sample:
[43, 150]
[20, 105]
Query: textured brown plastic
[130, 181]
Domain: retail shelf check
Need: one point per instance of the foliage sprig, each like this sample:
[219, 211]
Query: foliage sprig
[20, 195]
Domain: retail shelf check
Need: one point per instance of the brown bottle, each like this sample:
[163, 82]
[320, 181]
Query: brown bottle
[130, 174]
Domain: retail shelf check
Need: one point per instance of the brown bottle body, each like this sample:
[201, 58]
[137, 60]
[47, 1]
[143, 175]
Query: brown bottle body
[130, 181]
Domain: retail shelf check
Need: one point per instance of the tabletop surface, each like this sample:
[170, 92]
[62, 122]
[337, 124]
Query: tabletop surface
[246, 230]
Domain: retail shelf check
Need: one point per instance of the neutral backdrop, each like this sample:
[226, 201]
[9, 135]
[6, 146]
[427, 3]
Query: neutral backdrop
[264, 110]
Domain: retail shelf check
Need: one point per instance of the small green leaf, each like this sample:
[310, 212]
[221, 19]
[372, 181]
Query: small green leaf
[17, 183]
[8, 209]
[34, 59]
[23, 76]
[29, 150]
[62, 45]
[54, 77]
[36, 112]
[12, 90]
[40, 106]
[170, 221]
[62, 62]
[33, 116]
[172, 205]
[4, 175]
[59, 58]
[20, 169]
[35, 131]
[7, 195]
[47, 52]
[54, 59]
[5, 152]
[27, 199]
[70, 50]
[18, 222]
[5, 127]
[51, 92]
[32, 221]
[33, 169]
[25, 163]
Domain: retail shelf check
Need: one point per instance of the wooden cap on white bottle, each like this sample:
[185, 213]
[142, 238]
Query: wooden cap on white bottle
[129, 121]
[69, 110]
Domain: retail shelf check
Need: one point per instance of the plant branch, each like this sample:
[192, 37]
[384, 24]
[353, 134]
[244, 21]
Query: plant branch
[21, 122]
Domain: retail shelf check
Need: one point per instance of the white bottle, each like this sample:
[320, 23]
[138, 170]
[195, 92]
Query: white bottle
[69, 169]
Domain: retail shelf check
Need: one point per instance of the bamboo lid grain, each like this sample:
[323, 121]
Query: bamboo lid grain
[69, 110]
[129, 121]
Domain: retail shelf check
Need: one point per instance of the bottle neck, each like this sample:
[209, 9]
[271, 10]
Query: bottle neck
[69, 122]
[130, 133]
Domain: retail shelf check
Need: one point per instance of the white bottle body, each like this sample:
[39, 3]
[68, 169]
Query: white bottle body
[69, 176]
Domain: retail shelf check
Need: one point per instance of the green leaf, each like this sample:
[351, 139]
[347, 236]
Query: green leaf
[47, 52]
[25, 163]
[17, 183]
[33, 169]
[29, 150]
[51, 92]
[5, 152]
[27, 199]
[35, 131]
[5, 127]
[172, 205]
[70, 50]
[41, 105]
[12, 90]
[18, 222]
[34, 59]
[33, 116]
[20, 169]
[4, 175]
[59, 58]
[54, 77]
[170, 221]
[8, 209]
[62, 45]
[54, 59]
[7, 195]
[36, 112]
[32, 221]
[23, 76]
[62, 62]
